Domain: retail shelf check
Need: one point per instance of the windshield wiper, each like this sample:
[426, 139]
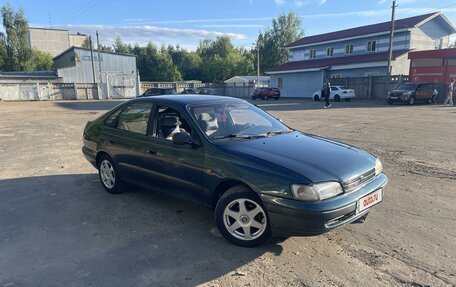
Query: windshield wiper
[232, 136]
[278, 132]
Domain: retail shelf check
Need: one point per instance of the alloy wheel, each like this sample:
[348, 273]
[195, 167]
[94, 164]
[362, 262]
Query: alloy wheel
[245, 219]
[107, 174]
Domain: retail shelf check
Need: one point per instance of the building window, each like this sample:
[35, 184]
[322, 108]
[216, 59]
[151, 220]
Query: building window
[336, 76]
[438, 44]
[349, 49]
[279, 83]
[312, 54]
[372, 46]
[329, 52]
[371, 74]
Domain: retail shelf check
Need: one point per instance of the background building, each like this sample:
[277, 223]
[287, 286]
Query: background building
[357, 52]
[116, 72]
[53, 41]
[240, 80]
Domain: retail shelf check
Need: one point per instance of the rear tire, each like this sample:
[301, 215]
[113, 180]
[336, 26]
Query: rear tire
[337, 98]
[316, 98]
[241, 217]
[109, 175]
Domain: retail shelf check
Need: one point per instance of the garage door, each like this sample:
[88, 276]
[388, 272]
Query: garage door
[301, 85]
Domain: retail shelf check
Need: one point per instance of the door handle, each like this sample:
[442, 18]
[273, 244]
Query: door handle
[152, 152]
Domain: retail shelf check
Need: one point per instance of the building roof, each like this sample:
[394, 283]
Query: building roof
[384, 27]
[237, 79]
[43, 28]
[328, 62]
[30, 75]
[442, 53]
[94, 51]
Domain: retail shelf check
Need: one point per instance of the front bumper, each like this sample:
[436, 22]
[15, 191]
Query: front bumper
[293, 217]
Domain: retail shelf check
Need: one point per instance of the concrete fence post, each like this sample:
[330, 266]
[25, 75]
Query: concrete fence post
[370, 88]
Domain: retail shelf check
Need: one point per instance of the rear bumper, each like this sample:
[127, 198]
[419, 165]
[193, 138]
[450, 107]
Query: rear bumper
[292, 217]
[90, 156]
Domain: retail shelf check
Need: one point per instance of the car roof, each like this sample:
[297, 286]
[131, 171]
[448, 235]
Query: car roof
[161, 88]
[189, 99]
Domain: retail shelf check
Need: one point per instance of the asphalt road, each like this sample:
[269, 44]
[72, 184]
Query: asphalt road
[58, 227]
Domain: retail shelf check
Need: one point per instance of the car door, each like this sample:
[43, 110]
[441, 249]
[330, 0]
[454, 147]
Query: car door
[421, 93]
[126, 139]
[334, 91]
[176, 169]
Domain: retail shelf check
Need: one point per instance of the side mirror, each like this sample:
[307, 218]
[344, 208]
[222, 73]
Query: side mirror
[182, 138]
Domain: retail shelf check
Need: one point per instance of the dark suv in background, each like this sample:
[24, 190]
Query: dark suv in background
[266, 94]
[413, 92]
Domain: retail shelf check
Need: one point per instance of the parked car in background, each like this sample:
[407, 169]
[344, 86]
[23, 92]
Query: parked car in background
[413, 92]
[260, 176]
[158, 92]
[266, 93]
[207, 91]
[188, 91]
[337, 93]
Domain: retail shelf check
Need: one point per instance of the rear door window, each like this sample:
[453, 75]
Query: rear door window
[135, 118]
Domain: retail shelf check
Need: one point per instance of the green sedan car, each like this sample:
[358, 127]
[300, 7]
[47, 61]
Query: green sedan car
[261, 177]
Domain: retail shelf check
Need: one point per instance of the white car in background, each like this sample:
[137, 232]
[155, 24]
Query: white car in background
[337, 93]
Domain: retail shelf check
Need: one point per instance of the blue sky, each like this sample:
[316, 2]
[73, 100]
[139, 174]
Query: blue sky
[186, 22]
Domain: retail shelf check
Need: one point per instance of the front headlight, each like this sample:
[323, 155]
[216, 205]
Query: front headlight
[408, 94]
[378, 167]
[316, 192]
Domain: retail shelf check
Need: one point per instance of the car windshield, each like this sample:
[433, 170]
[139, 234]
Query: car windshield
[236, 120]
[407, 87]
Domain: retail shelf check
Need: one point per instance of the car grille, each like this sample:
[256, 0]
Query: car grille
[395, 94]
[359, 181]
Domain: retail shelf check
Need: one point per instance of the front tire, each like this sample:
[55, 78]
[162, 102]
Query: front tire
[316, 98]
[337, 98]
[411, 101]
[241, 217]
[109, 175]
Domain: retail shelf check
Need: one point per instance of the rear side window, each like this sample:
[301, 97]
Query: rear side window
[152, 92]
[135, 117]
[111, 120]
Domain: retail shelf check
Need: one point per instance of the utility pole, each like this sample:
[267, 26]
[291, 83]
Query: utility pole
[391, 46]
[99, 57]
[258, 63]
[91, 57]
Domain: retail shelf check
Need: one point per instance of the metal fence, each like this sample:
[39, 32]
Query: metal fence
[48, 91]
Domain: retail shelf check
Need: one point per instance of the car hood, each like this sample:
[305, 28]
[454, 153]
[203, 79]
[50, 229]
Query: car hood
[315, 158]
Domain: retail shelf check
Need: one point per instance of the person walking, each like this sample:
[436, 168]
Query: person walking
[327, 93]
[449, 98]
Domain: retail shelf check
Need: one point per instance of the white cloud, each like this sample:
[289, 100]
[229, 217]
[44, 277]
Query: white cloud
[188, 21]
[142, 34]
[280, 2]
[381, 2]
[321, 2]
[299, 3]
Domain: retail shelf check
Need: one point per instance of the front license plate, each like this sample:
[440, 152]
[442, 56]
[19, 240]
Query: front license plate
[393, 98]
[369, 200]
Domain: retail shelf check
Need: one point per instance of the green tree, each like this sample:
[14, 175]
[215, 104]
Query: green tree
[41, 61]
[18, 54]
[190, 66]
[156, 64]
[285, 30]
[121, 47]
[221, 60]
